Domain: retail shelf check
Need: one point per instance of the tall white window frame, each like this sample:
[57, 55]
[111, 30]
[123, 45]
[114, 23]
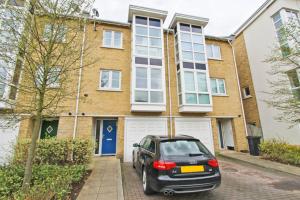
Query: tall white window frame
[148, 64]
[112, 39]
[203, 69]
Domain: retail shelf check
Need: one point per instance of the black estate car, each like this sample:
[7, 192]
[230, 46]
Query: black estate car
[181, 164]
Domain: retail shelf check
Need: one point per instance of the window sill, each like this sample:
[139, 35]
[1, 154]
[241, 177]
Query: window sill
[112, 48]
[109, 90]
[247, 97]
[216, 59]
[220, 95]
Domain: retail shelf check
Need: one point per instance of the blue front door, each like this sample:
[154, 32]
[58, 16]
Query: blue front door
[109, 137]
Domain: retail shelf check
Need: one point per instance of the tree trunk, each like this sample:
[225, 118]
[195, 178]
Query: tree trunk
[31, 153]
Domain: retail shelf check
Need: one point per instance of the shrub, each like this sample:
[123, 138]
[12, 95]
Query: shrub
[55, 151]
[280, 151]
[48, 181]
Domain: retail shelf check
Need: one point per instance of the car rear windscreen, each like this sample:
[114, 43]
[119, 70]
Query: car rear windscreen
[182, 148]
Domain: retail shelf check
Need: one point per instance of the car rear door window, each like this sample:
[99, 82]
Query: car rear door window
[182, 148]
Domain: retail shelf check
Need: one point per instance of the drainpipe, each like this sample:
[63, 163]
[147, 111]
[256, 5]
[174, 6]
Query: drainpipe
[169, 83]
[79, 81]
[238, 81]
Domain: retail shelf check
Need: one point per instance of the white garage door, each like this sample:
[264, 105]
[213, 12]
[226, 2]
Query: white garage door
[199, 128]
[8, 135]
[137, 128]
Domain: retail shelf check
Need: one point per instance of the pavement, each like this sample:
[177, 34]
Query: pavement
[240, 181]
[258, 161]
[105, 181]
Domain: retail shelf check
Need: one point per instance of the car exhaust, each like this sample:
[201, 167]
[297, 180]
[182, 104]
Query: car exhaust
[168, 193]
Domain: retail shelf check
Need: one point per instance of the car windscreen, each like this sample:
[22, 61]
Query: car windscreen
[182, 148]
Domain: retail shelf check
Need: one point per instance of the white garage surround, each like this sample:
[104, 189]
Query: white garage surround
[138, 127]
[8, 135]
[199, 128]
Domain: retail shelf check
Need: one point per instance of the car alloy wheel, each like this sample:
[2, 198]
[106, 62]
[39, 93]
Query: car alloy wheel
[144, 180]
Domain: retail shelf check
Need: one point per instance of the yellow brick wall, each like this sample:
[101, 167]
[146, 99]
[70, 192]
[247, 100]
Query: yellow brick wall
[250, 104]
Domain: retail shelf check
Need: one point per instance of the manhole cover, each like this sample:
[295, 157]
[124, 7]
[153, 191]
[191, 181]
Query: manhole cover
[230, 170]
[287, 185]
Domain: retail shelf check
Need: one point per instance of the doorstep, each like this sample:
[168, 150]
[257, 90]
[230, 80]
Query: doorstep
[258, 161]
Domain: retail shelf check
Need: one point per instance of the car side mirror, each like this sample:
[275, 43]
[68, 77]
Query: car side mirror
[136, 145]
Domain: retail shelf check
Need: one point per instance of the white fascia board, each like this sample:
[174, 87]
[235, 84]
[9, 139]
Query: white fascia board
[143, 11]
[188, 19]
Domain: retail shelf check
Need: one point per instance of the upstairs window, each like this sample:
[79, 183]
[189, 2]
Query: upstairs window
[56, 33]
[294, 77]
[112, 39]
[246, 92]
[53, 76]
[110, 80]
[213, 51]
[218, 86]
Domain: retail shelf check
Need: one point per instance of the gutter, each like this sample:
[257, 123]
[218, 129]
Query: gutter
[239, 85]
[79, 82]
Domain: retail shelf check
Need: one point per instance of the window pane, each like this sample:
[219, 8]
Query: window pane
[196, 29]
[154, 32]
[154, 22]
[156, 97]
[107, 38]
[156, 52]
[217, 52]
[179, 82]
[213, 84]
[141, 40]
[187, 55]
[209, 51]
[185, 27]
[197, 39]
[139, 60]
[199, 57]
[53, 77]
[141, 96]
[276, 17]
[190, 98]
[156, 81]
[141, 77]
[186, 37]
[141, 30]
[115, 79]
[141, 50]
[157, 62]
[180, 99]
[199, 48]
[221, 84]
[118, 39]
[189, 81]
[156, 42]
[105, 79]
[202, 84]
[2, 80]
[141, 20]
[200, 66]
[278, 24]
[186, 46]
[188, 65]
[203, 99]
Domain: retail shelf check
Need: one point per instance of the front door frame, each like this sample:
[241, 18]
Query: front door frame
[101, 135]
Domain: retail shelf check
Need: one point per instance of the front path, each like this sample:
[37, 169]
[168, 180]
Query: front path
[239, 182]
[105, 181]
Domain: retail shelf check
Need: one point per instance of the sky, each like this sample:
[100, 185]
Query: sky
[225, 16]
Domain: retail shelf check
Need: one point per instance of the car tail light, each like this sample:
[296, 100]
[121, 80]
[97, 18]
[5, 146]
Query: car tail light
[213, 163]
[163, 165]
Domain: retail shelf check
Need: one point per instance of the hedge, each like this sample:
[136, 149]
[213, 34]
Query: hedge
[48, 181]
[280, 151]
[55, 151]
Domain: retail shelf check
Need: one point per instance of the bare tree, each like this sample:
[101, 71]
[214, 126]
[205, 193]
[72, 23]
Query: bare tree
[41, 57]
[285, 74]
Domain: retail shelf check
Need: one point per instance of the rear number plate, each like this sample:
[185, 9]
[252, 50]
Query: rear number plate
[191, 169]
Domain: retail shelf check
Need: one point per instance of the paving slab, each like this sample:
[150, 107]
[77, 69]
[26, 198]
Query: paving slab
[258, 161]
[105, 181]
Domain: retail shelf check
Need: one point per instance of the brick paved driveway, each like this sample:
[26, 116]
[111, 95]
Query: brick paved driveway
[239, 182]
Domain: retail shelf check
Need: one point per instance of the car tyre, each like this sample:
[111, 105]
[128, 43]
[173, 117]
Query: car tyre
[146, 183]
[133, 166]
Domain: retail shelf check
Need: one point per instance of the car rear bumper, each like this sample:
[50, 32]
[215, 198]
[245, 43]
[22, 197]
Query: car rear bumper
[186, 185]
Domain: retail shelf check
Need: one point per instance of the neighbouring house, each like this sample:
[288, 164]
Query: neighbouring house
[253, 44]
[9, 128]
[145, 79]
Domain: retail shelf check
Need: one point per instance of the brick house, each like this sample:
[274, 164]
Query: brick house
[151, 80]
